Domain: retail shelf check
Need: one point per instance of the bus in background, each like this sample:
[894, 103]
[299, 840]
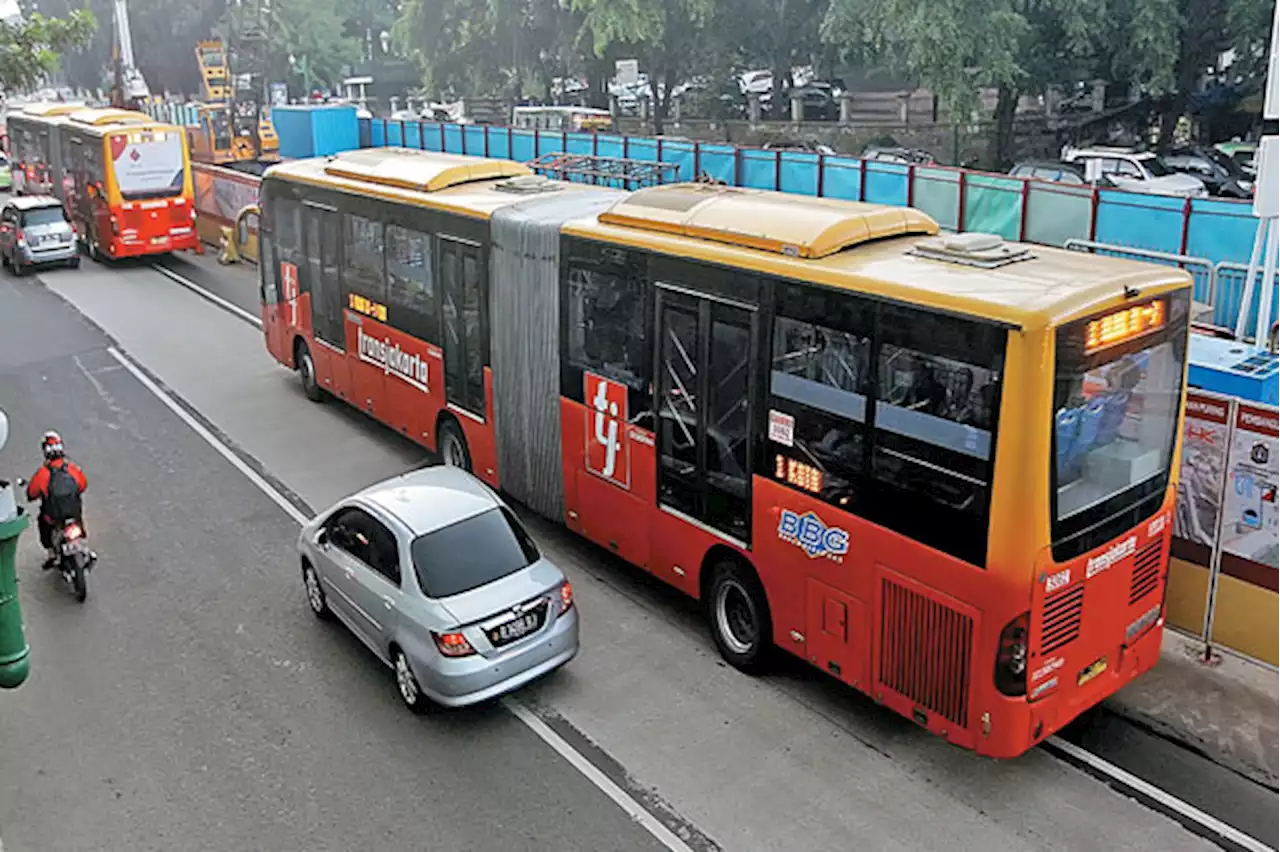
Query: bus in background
[33, 149]
[129, 178]
[561, 119]
[939, 469]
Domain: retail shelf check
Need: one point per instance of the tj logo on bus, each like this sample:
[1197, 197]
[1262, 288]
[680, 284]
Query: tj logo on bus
[607, 455]
[811, 535]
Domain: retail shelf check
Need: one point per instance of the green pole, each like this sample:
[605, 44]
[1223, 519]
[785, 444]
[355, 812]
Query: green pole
[14, 650]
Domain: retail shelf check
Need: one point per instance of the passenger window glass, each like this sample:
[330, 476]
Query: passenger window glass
[362, 263]
[409, 280]
[608, 326]
[348, 532]
[1130, 170]
[938, 393]
[384, 557]
[288, 232]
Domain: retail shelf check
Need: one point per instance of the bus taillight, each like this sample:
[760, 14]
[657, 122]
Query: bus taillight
[1011, 657]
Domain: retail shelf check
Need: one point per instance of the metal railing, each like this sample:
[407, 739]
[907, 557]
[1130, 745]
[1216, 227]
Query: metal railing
[1201, 269]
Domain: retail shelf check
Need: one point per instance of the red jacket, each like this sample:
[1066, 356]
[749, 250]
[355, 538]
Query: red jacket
[38, 487]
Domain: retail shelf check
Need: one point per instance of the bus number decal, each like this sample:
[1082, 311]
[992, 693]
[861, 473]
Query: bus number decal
[608, 456]
[811, 535]
[289, 280]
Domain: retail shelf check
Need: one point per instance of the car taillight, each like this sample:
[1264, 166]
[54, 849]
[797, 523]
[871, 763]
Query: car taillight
[73, 532]
[115, 226]
[1011, 657]
[566, 597]
[453, 644]
[193, 214]
[21, 238]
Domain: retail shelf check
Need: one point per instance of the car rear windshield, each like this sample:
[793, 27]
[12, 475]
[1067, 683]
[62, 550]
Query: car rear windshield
[471, 553]
[43, 216]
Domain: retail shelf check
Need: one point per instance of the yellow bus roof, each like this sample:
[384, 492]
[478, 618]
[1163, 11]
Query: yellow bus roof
[110, 115]
[879, 250]
[1025, 286]
[50, 110]
[452, 183]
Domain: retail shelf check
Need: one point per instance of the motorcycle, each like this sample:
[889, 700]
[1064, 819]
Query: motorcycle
[75, 559]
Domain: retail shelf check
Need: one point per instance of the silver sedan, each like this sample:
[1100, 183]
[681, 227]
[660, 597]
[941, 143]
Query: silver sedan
[439, 578]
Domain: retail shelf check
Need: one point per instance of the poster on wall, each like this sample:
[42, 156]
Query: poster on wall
[1205, 443]
[1250, 525]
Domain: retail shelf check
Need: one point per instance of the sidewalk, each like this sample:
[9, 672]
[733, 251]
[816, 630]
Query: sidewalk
[1227, 709]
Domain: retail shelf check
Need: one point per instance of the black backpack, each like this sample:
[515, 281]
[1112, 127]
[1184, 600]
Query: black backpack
[63, 501]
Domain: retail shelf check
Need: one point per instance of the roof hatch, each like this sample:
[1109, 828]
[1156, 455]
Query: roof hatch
[985, 251]
[423, 171]
[793, 225]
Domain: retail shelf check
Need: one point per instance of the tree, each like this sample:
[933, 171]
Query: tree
[956, 47]
[29, 49]
[317, 30]
[666, 36]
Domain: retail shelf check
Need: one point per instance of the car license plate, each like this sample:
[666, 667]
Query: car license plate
[1091, 671]
[515, 629]
[155, 241]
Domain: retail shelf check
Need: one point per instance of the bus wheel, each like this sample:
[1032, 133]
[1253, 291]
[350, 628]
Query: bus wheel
[453, 445]
[307, 372]
[739, 616]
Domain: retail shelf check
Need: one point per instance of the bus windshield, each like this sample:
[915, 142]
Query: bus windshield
[147, 164]
[1116, 406]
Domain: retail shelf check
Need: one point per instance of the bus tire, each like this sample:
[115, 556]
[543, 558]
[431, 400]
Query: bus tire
[306, 367]
[738, 613]
[451, 444]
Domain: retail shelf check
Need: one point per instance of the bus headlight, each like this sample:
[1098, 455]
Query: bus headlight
[1011, 657]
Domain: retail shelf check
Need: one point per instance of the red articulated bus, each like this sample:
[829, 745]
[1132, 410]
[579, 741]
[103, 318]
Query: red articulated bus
[937, 468]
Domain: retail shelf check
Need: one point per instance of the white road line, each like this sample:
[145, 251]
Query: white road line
[208, 295]
[211, 439]
[620, 797]
[1166, 800]
[576, 759]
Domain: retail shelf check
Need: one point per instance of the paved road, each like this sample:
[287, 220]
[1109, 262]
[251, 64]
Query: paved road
[791, 761]
[193, 702]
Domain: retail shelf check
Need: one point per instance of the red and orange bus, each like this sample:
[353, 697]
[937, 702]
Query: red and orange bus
[937, 468]
[127, 183]
[33, 146]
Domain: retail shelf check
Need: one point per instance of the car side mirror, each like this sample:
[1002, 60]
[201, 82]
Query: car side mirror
[322, 537]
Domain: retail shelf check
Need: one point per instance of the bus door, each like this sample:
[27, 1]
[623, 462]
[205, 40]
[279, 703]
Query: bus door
[705, 381]
[323, 237]
[465, 324]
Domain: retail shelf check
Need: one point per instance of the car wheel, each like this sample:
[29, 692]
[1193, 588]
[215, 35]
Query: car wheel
[307, 373]
[407, 684]
[453, 446]
[739, 616]
[74, 263]
[315, 593]
[18, 269]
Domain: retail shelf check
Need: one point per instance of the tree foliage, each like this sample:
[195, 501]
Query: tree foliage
[29, 49]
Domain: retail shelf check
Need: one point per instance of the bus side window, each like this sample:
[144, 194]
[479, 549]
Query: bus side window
[362, 257]
[409, 283]
[820, 376]
[608, 328]
[937, 402]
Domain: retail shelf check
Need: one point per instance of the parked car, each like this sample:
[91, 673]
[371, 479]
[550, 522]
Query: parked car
[808, 147]
[1244, 153]
[6, 175]
[893, 154]
[438, 577]
[1220, 174]
[1055, 172]
[34, 231]
[1139, 171]
[817, 101]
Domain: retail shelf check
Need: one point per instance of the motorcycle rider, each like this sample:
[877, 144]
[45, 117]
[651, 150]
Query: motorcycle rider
[58, 485]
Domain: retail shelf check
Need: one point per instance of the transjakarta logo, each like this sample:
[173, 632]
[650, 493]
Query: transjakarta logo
[1103, 561]
[811, 535]
[393, 360]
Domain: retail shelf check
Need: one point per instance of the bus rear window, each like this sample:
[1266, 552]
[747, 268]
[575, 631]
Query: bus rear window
[147, 165]
[1115, 416]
